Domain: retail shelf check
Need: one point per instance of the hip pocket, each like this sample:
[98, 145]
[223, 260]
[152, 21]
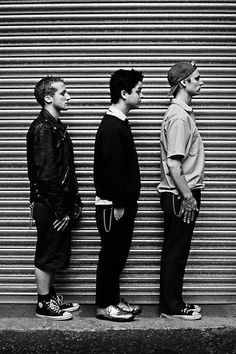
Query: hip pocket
[177, 205]
[171, 203]
[104, 217]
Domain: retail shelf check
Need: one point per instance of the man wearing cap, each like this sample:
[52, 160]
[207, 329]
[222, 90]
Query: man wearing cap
[182, 165]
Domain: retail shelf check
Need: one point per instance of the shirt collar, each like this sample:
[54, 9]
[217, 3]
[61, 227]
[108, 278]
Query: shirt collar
[117, 113]
[182, 104]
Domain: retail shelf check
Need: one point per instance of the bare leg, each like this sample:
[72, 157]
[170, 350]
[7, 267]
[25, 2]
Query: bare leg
[43, 281]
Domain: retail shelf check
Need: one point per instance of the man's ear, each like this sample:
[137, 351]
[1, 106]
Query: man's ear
[183, 83]
[123, 94]
[48, 99]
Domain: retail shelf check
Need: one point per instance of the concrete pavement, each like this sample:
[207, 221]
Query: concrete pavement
[21, 332]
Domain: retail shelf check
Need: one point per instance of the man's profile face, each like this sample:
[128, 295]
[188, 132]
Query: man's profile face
[194, 84]
[134, 98]
[61, 97]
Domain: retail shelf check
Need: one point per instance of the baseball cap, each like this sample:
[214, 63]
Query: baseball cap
[178, 72]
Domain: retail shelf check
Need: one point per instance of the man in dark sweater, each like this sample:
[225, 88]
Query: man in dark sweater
[117, 184]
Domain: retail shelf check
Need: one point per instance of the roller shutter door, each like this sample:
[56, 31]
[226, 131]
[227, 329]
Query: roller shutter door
[84, 42]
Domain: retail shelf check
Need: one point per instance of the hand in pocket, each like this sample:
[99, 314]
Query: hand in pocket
[118, 213]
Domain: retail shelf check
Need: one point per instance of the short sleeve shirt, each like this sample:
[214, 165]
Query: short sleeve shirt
[180, 136]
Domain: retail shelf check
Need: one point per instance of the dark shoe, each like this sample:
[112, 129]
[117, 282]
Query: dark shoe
[50, 309]
[126, 307]
[194, 308]
[113, 313]
[66, 306]
[184, 314]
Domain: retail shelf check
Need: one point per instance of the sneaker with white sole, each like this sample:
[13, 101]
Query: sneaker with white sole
[113, 313]
[66, 306]
[183, 314]
[51, 309]
[126, 307]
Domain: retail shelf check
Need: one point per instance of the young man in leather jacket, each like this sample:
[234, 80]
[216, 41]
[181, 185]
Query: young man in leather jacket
[54, 194]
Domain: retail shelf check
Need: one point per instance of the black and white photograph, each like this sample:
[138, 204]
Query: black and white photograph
[117, 177]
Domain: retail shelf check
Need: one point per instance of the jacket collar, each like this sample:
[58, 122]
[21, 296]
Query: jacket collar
[55, 123]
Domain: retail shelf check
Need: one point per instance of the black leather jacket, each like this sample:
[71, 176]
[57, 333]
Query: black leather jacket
[51, 169]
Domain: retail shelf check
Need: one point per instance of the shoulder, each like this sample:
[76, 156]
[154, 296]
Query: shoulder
[176, 110]
[110, 120]
[41, 126]
[110, 124]
[175, 114]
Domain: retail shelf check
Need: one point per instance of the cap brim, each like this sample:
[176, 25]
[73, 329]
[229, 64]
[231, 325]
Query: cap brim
[172, 89]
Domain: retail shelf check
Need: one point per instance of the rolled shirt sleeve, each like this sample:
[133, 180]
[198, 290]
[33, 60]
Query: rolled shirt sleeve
[176, 138]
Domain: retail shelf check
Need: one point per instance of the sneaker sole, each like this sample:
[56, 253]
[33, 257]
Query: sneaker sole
[71, 309]
[182, 317]
[102, 317]
[56, 318]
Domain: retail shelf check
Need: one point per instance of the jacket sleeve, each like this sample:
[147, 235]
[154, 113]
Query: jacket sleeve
[75, 190]
[111, 166]
[45, 158]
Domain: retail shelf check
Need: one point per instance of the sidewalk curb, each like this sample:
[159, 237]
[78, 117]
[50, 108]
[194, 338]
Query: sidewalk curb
[85, 335]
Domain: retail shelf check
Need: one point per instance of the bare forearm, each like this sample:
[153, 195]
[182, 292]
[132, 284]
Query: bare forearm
[175, 168]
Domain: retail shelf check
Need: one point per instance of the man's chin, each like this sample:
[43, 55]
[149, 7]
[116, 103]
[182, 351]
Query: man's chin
[197, 93]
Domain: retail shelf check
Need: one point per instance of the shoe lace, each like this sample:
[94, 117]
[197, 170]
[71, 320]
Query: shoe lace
[53, 305]
[185, 311]
[60, 300]
[123, 301]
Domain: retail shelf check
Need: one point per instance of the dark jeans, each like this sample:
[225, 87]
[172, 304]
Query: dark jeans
[175, 251]
[116, 237]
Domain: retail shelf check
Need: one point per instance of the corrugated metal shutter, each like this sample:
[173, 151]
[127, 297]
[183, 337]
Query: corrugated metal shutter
[84, 42]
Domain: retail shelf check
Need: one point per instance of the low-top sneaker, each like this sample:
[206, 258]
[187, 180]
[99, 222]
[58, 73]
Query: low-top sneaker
[51, 309]
[126, 307]
[183, 314]
[114, 313]
[66, 306]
